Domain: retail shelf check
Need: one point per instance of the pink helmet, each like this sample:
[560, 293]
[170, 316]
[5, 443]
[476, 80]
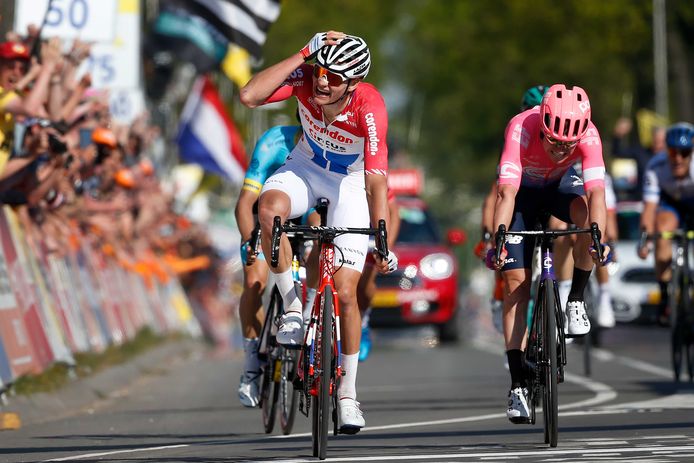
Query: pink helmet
[565, 113]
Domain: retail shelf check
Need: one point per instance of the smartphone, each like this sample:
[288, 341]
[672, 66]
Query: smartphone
[85, 137]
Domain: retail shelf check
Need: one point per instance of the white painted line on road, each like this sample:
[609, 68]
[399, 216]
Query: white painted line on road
[116, 452]
[511, 454]
[607, 356]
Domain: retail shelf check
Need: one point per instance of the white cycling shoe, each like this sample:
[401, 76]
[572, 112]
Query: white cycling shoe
[291, 332]
[579, 324]
[518, 411]
[351, 417]
[605, 315]
[249, 389]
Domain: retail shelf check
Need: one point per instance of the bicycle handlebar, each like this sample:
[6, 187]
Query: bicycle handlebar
[319, 232]
[594, 231]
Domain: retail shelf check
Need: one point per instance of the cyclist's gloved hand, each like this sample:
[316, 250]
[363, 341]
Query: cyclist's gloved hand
[318, 41]
[480, 249]
[247, 256]
[606, 251]
[490, 259]
[392, 261]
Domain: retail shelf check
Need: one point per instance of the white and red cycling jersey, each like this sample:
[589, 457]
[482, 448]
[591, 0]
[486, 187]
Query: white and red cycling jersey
[525, 162]
[354, 141]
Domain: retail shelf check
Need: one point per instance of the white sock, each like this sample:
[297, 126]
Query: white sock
[604, 289]
[366, 317]
[285, 283]
[348, 384]
[564, 290]
[250, 351]
[310, 299]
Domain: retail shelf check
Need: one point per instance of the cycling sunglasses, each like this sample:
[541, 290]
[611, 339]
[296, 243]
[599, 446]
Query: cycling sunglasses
[566, 145]
[334, 80]
[683, 152]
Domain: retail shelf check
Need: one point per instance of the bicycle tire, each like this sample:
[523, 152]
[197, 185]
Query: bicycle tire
[325, 371]
[269, 392]
[551, 409]
[677, 341]
[288, 395]
[532, 355]
[588, 340]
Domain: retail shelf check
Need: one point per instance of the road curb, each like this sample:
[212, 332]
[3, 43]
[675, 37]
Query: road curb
[85, 393]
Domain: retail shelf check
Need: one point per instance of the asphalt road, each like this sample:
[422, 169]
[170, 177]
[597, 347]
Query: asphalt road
[421, 403]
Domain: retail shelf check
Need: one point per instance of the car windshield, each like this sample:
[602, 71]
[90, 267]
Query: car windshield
[417, 226]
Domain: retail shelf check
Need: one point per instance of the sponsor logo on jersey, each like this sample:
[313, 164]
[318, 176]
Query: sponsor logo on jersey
[514, 239]
[372, 133]
[509, 170]
[521, 135]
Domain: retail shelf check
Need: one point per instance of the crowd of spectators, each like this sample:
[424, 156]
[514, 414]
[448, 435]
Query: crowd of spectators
[72, 173]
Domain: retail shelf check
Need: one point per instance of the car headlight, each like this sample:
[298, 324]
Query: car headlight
[436, 266]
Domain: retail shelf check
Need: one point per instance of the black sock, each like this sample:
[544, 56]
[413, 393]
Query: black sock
[515, 366]
[664, 293]
[578, 284]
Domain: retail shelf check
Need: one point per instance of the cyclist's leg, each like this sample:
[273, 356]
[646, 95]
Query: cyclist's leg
[366, 288]
[251, 316]
[570, 205]
[667, 219]
[517, 281]
[285, 194]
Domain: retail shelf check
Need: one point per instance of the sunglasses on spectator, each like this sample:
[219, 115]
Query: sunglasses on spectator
[567, 145]
[15, 64]
[683, 152]
[334, 80]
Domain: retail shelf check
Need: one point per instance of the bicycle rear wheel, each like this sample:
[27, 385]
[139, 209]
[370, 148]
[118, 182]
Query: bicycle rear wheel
[321, 401]
[549, 341]
[677, 340]
[269, 390]
[288, 395]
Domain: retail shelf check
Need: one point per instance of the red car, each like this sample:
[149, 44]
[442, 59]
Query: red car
[424, 289]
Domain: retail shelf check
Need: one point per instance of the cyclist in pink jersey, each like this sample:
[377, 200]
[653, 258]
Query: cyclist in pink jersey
[541, 144]
[341, 156]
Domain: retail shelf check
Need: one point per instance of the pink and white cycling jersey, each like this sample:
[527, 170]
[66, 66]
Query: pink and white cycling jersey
[354, 141]
[525, 162]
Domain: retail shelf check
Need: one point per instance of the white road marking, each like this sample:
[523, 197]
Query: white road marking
[116, 452]
[607, 356]
[507, 454]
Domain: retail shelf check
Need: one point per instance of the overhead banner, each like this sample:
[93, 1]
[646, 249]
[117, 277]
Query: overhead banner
[88, 20]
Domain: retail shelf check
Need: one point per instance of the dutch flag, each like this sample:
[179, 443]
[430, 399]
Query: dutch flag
[207, 135]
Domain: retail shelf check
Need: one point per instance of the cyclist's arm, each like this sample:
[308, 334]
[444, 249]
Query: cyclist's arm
[505, 203]
[377, 198]
[648, 216]
[597, 212]
[488, 209]
[244, 213]
[393, 223]
[262, 86]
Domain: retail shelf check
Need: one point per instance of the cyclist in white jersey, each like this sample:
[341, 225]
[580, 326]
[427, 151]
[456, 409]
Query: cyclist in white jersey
[342, 156]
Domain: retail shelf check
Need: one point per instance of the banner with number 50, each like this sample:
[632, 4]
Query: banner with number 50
[88, 20]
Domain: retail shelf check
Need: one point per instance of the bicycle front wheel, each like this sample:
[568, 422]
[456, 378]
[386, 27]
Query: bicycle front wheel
[549, 341]
[321, 401]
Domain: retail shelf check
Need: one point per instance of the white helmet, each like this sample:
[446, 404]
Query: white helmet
[350, 58]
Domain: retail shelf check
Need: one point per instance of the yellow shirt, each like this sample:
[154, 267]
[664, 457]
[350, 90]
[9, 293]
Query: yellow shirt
[6, 126]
